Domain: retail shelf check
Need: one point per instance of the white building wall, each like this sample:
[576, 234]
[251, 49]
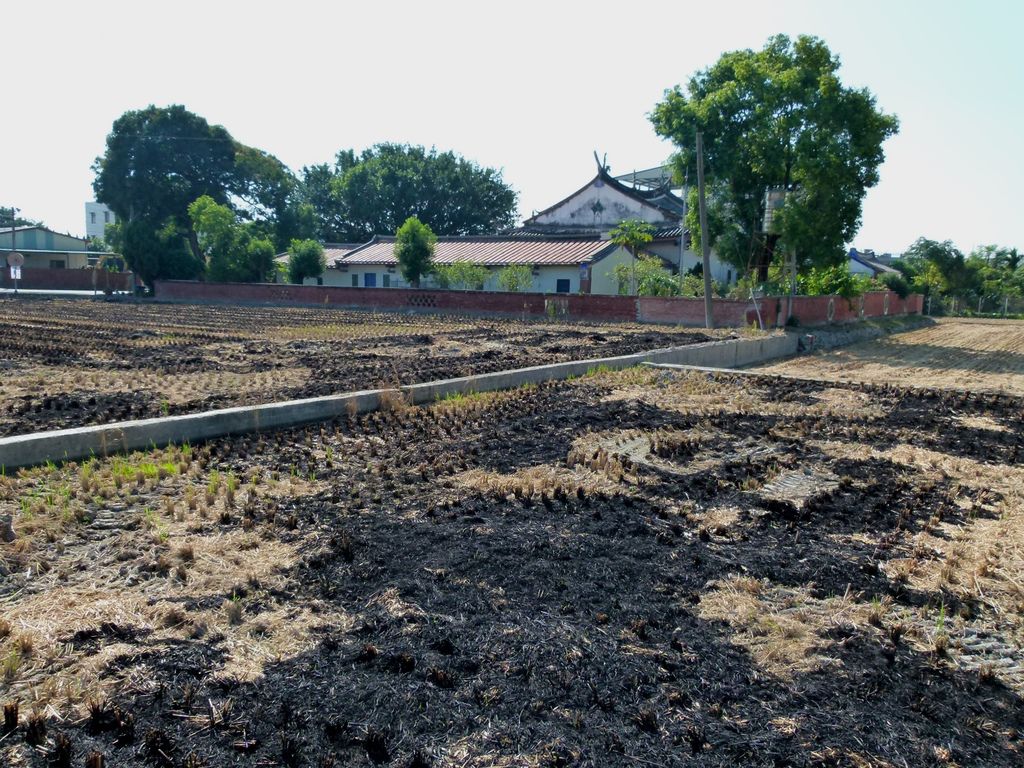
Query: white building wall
[601, 207]
[97, 216]
[602, 273]
[545, 278]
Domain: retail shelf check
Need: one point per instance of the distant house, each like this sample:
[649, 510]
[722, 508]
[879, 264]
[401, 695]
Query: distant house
[97, 216]
[602, 203]
[868, 263]
[558, 264]
[45, 249]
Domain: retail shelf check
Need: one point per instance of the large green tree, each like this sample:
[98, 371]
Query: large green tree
[264, 191]
[154, 249]
[388, 183]
[159, 160]
[778, 118]
[935, 266]
[315, 190]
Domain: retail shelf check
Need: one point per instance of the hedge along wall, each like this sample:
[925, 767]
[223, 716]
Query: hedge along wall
[809, 310]
[67, 279]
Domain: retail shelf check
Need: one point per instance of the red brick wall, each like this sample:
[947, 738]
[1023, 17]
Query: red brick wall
[810, 310]
[67, 279]
[491, 302]
[691, 311]
[814, 310]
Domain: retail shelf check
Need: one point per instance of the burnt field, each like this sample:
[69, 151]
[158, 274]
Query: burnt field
[639, 568]
[73, 363]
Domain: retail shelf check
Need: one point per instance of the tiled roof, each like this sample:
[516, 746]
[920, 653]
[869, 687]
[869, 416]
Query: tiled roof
[541, 231]
[489, 251]
[335, 251]
[669, 204]
[332, 252]
[876, 266]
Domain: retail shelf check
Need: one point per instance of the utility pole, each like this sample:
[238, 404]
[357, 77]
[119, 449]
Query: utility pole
[705, 247]
[14, 231]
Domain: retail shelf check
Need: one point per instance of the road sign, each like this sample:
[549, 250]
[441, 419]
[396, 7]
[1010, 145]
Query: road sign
[15, 273]
[16, 259]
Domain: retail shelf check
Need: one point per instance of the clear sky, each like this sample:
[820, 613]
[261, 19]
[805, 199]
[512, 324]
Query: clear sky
[530, 87]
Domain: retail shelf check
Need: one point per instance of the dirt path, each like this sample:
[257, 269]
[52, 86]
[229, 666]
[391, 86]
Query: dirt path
[979, 355]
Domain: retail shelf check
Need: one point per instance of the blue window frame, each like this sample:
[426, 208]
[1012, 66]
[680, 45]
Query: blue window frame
[562, 285]
[370, 280]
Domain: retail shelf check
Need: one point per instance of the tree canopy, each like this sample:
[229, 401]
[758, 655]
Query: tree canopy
[991, 274]
[9, 218]
[778, 118]
[305, 259]
[154, 250]
[414, 249]
[388, 183]
[159, 160]
[233, 250]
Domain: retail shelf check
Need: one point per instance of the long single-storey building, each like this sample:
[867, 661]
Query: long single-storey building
[558, 264]
[45, 249]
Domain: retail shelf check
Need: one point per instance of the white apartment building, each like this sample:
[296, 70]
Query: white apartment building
[97, 216]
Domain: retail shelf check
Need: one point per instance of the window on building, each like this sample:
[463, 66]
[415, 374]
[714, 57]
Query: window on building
[56, 263]
[92, 217]
[106, 217]
[319, 281]
[387, 281]
[562, 286]
[370, 280]
[355, 281]
[728, 276]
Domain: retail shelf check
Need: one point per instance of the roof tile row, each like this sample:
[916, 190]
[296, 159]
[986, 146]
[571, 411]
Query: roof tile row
[485, 251]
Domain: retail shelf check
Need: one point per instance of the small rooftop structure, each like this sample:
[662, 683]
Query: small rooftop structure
[606, 200]
[867, 263]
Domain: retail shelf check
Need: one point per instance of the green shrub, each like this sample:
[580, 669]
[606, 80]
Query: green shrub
[896, 283]
[462, 274]
[515, 278]
[837, 280]
[305, 259]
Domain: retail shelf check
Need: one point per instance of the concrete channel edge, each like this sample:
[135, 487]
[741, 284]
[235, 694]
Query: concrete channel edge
[107, 439]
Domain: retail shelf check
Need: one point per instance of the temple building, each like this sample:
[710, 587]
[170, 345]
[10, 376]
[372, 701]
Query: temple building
[567, 246]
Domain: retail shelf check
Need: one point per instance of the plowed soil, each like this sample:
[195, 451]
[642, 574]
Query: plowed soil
[73, 363]
[980, 355]
[639, 568]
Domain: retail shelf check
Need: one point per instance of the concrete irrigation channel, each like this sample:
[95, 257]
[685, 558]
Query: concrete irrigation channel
[106, 439]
